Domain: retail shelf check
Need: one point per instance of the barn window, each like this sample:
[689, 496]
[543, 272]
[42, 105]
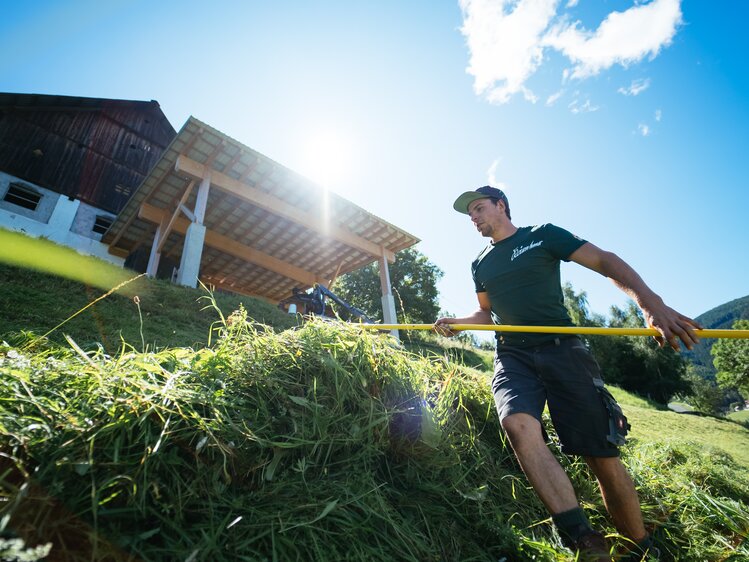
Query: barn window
[23, 196]
[101, 224]
[122, 190]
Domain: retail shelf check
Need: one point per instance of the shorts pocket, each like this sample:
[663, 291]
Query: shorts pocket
[618, 424]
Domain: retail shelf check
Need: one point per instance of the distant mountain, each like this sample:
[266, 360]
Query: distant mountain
[719, 318]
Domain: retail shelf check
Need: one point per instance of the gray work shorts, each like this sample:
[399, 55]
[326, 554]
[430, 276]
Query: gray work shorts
[563, 373]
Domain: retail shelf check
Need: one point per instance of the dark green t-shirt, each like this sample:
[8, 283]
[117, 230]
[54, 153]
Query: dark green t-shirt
[520, 275]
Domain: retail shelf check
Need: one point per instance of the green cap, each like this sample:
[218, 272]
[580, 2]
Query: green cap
[465, 199]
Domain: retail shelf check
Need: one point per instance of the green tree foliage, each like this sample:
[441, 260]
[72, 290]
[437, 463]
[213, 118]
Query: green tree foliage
[633, 363]
[706, 396]
[414, 281]
[731, 358]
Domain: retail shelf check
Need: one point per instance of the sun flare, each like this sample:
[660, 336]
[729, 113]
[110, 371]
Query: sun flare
[328, 158]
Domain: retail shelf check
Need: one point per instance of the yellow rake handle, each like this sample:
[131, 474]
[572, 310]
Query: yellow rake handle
[590, 330]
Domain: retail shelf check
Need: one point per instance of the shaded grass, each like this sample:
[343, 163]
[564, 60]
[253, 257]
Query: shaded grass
[165, 315]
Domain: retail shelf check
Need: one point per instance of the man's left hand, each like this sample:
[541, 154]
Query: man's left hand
[672, 325]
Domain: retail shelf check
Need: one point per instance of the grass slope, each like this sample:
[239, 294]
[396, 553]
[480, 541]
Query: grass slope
[712, 435]
[165, 315]
[318, 443]
[741, 417]
[311, 443]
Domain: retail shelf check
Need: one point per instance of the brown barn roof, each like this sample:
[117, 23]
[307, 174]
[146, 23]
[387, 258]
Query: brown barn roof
[93, 149]
[266, 227]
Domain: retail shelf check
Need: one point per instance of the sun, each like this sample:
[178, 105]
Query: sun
[327, 158]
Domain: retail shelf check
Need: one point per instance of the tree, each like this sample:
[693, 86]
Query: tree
[577, 307]
[731, 359]
[705, 396]
[414, 282]
[632, 363]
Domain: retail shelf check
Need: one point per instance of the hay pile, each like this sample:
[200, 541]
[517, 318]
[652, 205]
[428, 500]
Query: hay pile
[321, 443]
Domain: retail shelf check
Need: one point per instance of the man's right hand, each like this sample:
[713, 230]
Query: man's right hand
[442, 326]
[481, 316]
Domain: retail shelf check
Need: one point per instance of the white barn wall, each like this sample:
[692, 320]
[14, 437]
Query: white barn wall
[57, 218]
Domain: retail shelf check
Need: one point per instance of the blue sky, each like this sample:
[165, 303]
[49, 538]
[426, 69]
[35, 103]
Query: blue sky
[623, 121]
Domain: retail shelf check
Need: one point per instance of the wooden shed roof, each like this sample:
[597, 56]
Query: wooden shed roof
[269, 229]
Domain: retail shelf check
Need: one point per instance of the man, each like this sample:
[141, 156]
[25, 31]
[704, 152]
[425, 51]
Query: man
[518, 282]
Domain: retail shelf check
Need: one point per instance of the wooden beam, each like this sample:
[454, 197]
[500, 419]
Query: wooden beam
[188, 213]
[335, 275]
[196, 170]
[116, 239]
[232, 247]
[119, 252]
[233, 161]
[169, 226]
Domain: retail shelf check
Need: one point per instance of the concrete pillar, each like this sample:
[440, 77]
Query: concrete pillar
[61, 219]
[388, 302]
[192, 251]
[201, 199]
[155, 256]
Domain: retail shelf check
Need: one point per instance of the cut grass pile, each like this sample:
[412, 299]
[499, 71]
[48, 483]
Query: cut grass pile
[317, 443]
[452, 349]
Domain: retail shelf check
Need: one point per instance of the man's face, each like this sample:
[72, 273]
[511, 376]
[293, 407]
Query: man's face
[485, 215]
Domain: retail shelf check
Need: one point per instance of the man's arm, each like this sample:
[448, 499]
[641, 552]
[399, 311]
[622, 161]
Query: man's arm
[672, 325]
[481, 316]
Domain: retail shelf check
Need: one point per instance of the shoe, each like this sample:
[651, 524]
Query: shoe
[591, 547]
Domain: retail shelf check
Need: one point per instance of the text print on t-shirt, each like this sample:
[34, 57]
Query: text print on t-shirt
[522, 249]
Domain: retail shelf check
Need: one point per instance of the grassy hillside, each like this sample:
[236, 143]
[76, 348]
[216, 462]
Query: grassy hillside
[146, 312]
[741, 417]
[651, 424]
[319, 442]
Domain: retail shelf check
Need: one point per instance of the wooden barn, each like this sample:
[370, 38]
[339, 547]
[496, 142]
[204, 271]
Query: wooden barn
[112, 178]
[69, 165]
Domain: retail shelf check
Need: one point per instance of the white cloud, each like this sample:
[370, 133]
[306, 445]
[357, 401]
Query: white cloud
[504, 39]
[491, 173]
[491, 176]
[529, 95]
[643, 129]
[622, 38]
[576, 107]
[552, 99]
[658, 114]
[636, 87]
